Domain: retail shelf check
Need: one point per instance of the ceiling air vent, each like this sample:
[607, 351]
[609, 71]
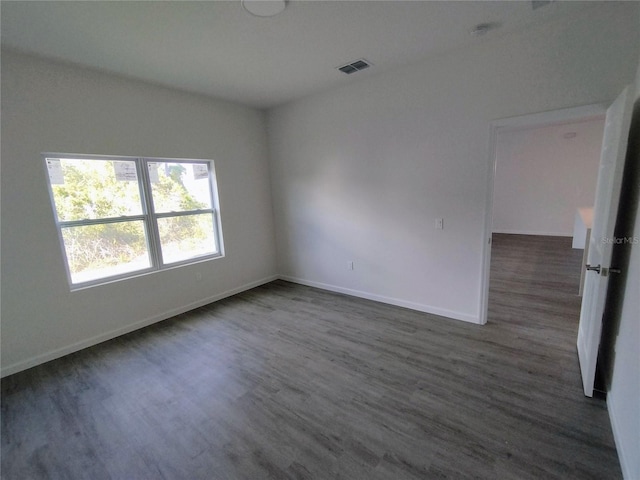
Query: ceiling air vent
[354, 67]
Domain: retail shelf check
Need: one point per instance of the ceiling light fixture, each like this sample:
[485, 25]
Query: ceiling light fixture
[264, 8]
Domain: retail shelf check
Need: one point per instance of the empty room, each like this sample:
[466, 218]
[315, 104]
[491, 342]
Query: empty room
[268, 239]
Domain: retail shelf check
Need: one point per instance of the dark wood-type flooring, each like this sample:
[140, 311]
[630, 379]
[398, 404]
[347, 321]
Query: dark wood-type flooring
[291, 382]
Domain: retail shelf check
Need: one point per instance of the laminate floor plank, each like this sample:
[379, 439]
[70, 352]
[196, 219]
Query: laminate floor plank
[290, 382]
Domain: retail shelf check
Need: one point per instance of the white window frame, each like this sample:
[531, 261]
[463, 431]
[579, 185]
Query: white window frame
[148, 217]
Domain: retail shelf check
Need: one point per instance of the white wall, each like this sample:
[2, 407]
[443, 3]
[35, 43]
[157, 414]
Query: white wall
[542, 177]
[623, 397]
[48, 107]
[361, 172]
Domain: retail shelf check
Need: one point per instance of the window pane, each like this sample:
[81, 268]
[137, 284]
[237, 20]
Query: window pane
[179, 187]
[186, 237]
[99, 251]
[93, 189]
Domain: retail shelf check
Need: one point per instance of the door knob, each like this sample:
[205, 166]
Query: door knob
[593, 269]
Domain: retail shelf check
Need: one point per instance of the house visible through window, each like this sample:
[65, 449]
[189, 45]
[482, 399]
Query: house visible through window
[121, 216]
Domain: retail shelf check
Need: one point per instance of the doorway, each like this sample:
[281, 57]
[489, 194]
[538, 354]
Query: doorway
[509, 127]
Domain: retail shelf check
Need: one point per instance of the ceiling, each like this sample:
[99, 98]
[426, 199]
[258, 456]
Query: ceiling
[218, 49]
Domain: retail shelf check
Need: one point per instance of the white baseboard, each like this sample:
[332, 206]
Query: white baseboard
[89, 342]
[383, 299]
[624, 455]
[535, 232]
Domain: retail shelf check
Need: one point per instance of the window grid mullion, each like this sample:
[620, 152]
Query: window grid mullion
[182, 213]
[99, 221]
[150, 218]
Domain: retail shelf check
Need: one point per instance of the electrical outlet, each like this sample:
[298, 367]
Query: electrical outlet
[350, 265]
[439, 224]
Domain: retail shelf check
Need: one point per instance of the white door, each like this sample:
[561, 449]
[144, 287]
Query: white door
[614, 148]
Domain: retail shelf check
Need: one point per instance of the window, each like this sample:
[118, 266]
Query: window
[122, 216]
